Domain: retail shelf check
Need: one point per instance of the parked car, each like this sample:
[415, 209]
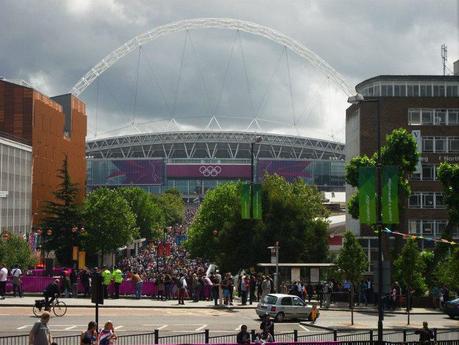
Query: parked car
[282, 307]
[452, 308]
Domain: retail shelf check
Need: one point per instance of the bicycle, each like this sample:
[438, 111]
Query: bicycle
[59, 308]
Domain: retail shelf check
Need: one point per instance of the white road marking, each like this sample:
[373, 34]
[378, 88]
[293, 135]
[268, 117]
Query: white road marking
[118, 327]
[200, 328]
[25, 326]
[238, 328]
[69, 328]
[306, 329]
[162, 327]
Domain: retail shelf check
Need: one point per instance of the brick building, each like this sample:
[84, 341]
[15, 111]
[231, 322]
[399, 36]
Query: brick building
[53, 127]
[427, 106]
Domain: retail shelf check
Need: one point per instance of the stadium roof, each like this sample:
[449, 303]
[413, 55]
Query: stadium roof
[232, 145]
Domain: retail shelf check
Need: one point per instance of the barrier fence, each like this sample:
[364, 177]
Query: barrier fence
[342, 337]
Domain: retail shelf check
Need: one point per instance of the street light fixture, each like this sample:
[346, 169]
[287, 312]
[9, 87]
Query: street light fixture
[256, 140]
[357, 99]
[275, 250]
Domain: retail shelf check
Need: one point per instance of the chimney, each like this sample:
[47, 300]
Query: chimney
[456, 67]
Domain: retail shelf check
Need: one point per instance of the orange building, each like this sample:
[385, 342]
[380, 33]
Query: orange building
[54, 127]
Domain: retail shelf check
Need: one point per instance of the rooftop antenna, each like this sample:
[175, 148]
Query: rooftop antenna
[444, 56]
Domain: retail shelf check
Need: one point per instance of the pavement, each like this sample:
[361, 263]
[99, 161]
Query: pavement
[146, 302]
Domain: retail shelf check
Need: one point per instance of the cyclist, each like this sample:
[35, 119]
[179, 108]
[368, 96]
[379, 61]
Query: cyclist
[51, 292]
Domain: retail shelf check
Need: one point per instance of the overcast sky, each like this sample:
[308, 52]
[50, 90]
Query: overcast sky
[234, 76]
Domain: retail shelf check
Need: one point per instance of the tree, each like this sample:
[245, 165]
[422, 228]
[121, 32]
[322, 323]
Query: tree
[110, 223]
[16, 250]
[447, 271]
[173, 207]
[352, 262]
[292, 214]
[149, 216]
[448, 174]
[409, 267]
[62, 214]
[399, 150]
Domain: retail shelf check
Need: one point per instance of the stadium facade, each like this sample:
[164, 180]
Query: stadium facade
[193, 162]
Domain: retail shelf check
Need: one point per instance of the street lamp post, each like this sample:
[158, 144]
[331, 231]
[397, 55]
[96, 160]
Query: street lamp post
[275, 250]
[252, 172]
[357, 99]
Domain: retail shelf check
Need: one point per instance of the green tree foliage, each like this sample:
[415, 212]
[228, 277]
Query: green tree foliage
[16, 250]
[352, 260]
[400, 150]
[292, 214]
[447, 271]
[149, 215]
[171, 202]
[409, 268]
[61, 215]
[110, 223]
[429, 264]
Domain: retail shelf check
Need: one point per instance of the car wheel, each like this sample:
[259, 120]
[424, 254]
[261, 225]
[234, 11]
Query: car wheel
[280, 317]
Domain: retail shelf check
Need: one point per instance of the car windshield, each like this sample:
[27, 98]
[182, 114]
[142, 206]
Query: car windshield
[270, 299]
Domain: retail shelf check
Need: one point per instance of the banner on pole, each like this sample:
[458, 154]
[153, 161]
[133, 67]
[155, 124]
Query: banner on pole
[390, 180]
[245, 201]
[257, 209]
[367, 195]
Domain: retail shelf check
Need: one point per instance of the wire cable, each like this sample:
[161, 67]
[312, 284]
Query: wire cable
[179, 78]
[134, 107]
[245, 72]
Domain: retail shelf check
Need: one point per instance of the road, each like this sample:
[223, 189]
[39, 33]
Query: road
[170, 321]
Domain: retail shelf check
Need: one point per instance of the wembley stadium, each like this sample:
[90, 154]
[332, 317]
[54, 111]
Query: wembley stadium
[193, 162]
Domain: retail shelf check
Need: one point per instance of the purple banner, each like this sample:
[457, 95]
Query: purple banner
[208, 171]
[122, 172]
[290, 170]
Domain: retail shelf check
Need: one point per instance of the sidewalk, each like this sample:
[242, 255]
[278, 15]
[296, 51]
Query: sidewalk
[146, 302]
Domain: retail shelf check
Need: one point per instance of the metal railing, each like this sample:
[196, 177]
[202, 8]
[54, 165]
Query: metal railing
[358, 337]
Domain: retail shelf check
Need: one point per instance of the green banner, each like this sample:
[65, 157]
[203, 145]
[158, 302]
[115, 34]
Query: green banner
[367, 195]
[257, 210]
[245, 201]
[390, 180]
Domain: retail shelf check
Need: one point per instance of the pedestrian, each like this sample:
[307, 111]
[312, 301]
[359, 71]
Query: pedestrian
[160, 287]
[74, 282]
[445, 296]
[85, 281]
[138, 283]
[117, 277]
[267, 325]
[309, 291]
[436, 293]
[106, 280]
[107, 335]
[3, 279]
[320, 293]
[17, 280]
[265, 287]
[362, 293]
[218, 278]
[244, 287]
[215, 288]
[327, 295]
[39, 334]
[264, 337]
[182, 286]
[253, 286]
[89, 337]
[243, 337]
[67, 282]
[425, 334]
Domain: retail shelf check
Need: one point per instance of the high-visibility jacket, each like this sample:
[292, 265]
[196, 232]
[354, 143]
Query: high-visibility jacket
[106, 277]
[117, 276]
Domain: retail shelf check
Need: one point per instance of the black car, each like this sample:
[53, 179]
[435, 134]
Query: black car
[452, 308]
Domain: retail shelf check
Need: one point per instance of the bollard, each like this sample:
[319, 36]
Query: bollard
[156, 336]
[404, 335]
[253, 336]
[295, 335]
[335, 335]
[371, 336]
[435, 334]
[206, 336]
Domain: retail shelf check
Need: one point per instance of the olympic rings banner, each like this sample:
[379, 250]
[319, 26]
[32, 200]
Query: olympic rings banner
[208, 171]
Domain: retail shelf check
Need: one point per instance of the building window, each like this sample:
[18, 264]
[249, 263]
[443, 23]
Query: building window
[439, 91]
[453, 144]
[386, 90]
[399, 90]
[415, 200]
[427, 227]
[440, 117]
[427, 144]
[414, 226]
[452, 91]
[428, 200]
[427, 117]
[414, 117]
[413, 90]
[453, 117]
[440, 227]
[428, 172]
[440, 144]
[439, 203]
[426, 90]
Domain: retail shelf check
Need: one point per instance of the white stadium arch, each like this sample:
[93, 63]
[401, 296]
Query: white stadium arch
[211, 23]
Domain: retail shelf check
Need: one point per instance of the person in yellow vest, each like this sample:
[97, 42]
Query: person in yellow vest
[117, 276]
[106, 279]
